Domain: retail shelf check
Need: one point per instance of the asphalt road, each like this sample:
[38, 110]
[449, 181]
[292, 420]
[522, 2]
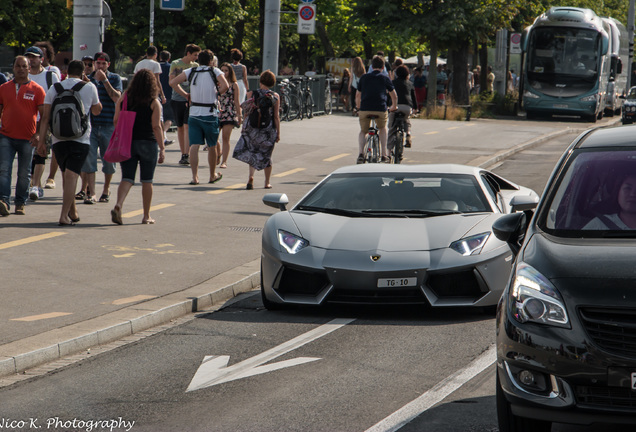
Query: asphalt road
[363, 372]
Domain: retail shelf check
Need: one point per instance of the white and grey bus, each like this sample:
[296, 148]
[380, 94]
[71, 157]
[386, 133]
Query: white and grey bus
[573, 64]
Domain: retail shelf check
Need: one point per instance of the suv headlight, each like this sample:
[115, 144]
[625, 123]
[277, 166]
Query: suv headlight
[291, 242]
[534, 299]
[470, 245]
[590, 98]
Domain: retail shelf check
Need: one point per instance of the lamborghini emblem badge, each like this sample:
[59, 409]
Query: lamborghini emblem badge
[374, 258]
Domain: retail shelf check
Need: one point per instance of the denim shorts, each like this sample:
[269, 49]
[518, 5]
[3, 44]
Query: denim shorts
[203, 130]
[145, 154]
[100, 137]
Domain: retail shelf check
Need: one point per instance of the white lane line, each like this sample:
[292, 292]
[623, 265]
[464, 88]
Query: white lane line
[436, 394]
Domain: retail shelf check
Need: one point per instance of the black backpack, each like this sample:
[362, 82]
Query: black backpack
[261, 115]
[68, 119]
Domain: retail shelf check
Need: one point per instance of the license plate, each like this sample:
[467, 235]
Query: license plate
[397, 282]
[560, 106]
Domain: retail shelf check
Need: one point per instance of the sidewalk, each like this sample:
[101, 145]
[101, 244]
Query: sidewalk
[22, 355]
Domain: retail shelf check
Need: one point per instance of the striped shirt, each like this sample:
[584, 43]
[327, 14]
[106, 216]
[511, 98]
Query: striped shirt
[108, 106]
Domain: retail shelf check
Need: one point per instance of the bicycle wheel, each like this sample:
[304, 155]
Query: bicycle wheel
[398, 150]
[284, 107]
[309, 105]
[368, 150]
[328, 102]
[294, 107]
[375, 149]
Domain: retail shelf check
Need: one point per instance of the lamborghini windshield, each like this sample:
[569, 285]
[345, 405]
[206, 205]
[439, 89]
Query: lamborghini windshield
[407, 195]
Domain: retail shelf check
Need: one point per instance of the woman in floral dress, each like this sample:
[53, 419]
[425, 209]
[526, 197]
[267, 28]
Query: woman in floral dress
[230, 113]
[256, 145]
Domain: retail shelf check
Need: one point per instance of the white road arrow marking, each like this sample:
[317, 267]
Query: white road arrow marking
[214, 369]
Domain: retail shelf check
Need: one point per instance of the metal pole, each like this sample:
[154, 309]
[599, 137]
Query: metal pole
[630, 38]
[271, 35]
[87, 25]
[152, 22]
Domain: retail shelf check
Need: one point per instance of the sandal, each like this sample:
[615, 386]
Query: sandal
[217, 178]
[249, 186]
[104, 197]
[80, 196]
[115, 216]
[90, 200]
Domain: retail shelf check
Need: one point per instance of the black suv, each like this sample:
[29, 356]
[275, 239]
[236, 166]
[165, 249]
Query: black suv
[566, 324]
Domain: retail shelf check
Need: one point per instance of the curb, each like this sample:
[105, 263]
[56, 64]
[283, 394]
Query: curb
[19, 356]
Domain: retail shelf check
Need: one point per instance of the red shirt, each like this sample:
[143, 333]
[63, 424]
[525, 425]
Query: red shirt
[20, 109]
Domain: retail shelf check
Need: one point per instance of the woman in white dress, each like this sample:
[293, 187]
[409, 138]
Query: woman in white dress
[240, 71]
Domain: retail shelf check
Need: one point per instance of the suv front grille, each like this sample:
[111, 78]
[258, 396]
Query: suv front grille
[607, 397]
[613, 330]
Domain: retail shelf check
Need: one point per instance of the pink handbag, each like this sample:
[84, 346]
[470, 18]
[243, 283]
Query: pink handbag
[119, 146]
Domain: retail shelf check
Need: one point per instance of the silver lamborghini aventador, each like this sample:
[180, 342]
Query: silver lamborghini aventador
[391, 234]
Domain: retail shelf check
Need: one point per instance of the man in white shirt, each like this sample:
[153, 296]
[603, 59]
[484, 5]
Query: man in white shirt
[203, 120]
[70, 155]
[46, 79]
[151, 63]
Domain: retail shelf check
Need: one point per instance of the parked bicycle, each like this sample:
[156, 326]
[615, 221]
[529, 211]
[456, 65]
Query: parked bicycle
[289, 101]
[328, 96]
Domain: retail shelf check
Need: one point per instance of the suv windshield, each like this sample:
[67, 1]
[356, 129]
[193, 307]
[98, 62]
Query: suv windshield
[595, 197]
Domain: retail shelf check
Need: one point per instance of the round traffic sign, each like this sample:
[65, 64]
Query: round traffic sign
[306, 13]
[515, 38]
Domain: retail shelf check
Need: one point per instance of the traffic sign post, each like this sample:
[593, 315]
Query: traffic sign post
[306, 18]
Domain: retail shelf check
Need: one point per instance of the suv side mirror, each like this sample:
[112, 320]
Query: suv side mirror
[511, 229]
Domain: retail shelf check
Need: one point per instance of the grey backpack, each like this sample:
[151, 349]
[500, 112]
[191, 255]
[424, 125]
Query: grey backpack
[68, 119]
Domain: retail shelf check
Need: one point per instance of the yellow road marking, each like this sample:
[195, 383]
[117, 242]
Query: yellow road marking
[30, 239]
[126, 300]
[227, 188]
[431, 133]
[42, 317]
[164, 245]
[128, 255]
[472, 124]
[290, 172]
[336, 157]
[140, 212]
[454, 127]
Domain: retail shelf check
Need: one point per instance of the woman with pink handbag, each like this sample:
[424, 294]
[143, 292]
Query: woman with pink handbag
[147, 141]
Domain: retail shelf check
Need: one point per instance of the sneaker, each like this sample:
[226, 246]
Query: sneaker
[385, 159]
[19, 209]
[185, 160]
[4, 209]
[408, 141]
[36, 193]
[360, 158]
[50, 184]
[168, 142]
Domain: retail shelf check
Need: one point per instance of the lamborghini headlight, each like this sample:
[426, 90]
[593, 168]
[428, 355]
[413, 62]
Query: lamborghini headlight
[470, 245]
[290, 242]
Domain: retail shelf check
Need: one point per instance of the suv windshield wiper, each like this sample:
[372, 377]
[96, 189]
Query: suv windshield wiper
[334, 211]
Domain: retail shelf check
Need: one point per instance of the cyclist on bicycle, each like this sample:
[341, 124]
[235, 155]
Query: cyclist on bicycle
[406, 101]
[372, 101]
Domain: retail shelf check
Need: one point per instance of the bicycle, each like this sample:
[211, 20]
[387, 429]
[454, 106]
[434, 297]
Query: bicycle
[308, 99]
[397, 148]
[371, 152]
[289, 104]
[328, 101]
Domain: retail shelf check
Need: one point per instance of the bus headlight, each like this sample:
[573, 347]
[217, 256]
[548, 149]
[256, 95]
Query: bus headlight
[529, 94]
[590, 98]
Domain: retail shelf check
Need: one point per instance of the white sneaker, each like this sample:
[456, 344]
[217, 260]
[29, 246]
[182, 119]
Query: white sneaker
[50, 184]
[34, 193]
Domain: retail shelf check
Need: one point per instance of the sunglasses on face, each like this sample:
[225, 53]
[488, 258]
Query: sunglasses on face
[88, 64]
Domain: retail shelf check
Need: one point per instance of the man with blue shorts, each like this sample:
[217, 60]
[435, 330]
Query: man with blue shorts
[206, 83]
[109, 88]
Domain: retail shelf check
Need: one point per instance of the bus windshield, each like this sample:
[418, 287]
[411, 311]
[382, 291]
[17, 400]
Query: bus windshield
[563, 61]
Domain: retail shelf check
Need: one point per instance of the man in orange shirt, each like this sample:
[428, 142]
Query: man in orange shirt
[20, 102]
